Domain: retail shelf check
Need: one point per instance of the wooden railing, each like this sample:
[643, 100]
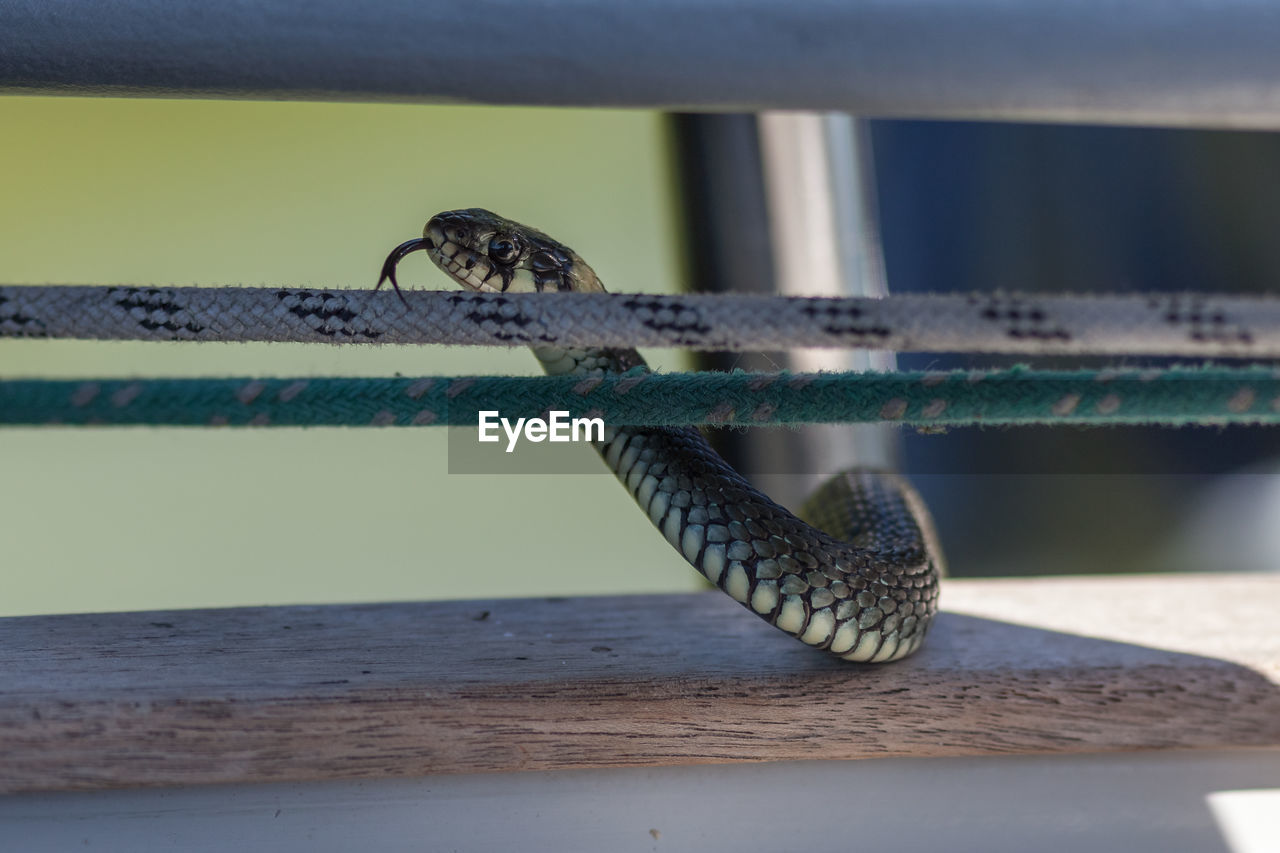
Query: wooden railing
[1067, 665]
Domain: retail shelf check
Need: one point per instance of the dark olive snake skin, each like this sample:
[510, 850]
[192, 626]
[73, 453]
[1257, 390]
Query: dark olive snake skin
[858, 579]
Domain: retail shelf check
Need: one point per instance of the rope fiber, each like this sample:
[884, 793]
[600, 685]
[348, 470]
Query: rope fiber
[1173, 396]
[1192, 325]
[1179, 324]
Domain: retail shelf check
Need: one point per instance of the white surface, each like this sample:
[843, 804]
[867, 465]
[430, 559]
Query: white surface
[1250, 820]
[1188, 801]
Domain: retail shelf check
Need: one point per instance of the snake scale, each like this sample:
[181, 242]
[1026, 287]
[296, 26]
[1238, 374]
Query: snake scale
[855, 574]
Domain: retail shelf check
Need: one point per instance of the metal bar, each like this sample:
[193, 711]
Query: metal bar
[1168, 62]
[822, 215]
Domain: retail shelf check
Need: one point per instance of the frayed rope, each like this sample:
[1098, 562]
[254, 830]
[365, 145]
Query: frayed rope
[1173, 396]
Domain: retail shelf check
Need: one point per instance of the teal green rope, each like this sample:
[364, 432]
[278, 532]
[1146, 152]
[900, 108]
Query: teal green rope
[1176, 396]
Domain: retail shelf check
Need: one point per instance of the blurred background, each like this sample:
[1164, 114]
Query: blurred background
[970, 206]
[312, 195]
[112, 191]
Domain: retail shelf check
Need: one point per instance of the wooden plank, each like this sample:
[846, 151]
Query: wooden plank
[294, 693]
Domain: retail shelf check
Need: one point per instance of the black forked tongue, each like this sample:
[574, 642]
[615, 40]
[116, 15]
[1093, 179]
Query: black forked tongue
[393, 259]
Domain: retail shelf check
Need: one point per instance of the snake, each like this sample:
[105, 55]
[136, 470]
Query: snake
[855, 572]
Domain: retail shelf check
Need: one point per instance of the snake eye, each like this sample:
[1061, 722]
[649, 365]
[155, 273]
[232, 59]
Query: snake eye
[502, 250]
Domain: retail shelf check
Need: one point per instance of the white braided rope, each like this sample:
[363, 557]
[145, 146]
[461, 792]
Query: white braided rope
[1173, 324]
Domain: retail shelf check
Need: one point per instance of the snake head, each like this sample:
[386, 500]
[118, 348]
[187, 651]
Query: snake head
[485, 252]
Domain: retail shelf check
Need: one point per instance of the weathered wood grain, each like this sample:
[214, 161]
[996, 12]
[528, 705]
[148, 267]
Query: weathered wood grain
[292, 693]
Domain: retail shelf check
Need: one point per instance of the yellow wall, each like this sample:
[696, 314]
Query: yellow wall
[222, 193]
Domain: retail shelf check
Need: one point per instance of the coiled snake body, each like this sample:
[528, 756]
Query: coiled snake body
[858, 578]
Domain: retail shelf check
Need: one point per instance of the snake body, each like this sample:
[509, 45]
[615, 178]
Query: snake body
[857, 578]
